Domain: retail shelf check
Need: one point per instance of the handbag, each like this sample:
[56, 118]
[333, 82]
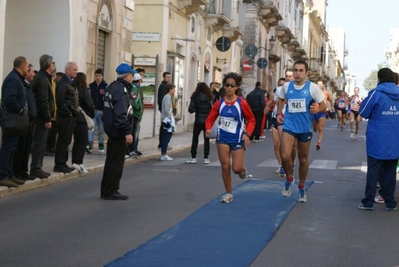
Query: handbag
[15, 124]
[89, 121]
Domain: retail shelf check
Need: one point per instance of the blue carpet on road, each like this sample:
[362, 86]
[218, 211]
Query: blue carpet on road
[219, 234]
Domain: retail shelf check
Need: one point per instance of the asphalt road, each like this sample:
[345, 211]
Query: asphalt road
[67, 224]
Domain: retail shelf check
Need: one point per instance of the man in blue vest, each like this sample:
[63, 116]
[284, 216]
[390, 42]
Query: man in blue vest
[300, 96]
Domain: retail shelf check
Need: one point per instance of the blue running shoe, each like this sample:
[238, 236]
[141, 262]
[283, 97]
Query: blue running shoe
[287, 189]
[281, 173]
[302, 196]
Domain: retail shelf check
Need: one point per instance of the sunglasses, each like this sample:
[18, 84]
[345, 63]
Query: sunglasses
[230, 85]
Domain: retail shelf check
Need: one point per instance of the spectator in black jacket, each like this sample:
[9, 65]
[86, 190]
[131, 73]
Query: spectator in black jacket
[201, 104]
[256, 100]
[97, 90]
[13, 100]
[21, 155]
[44, 98]
[118, 129]
[67, 110]
[167, 77]
[80, 137]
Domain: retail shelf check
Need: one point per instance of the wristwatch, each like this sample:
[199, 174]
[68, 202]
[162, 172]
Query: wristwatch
[247, 134]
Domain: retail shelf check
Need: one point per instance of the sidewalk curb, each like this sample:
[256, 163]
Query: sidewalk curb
[60, 177]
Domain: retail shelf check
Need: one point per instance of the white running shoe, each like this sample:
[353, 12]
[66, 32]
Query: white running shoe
[227, 198]
[302, 196]
[191, 160]
[166, 158]
[352, 135]
[287, 189]
[206, 161]
[355, 136]
[80, 168]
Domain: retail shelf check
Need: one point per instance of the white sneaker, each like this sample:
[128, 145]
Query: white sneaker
[207, 161]
[227, 198]
[191, 160]
[278, 170]
[355, 136]
[287, 189]
[166, 157]
[352, 135]
[80, 168]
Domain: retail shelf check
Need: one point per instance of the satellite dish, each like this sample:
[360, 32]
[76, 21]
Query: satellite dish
[223, 44]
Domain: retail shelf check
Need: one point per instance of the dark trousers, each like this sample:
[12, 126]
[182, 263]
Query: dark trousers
[52, 137]
[383, 171]
[160, 135]
[21, 155]
[65, 130]
[198, 127]
[80, 140]
[113, 168]
[166, 136]
[8, 147]
[258, 119]
[39, 139]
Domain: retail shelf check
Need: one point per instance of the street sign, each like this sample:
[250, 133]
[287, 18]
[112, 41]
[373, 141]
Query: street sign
[262, 63]
[251, 50]
[223, 44]
[246, 67]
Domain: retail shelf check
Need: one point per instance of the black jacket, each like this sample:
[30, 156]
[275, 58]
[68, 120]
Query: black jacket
[67, 98]
[161, 94]
[116, 108]
[201, 106]
[86, 103]
[30, 100]
[44, 98]
[256, 99]
[96, 95]
[13, 97]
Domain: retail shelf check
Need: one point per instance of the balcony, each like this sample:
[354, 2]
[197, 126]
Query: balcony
[314, 69]
[218, 18]
[273, 58]
[293, 45]
[299, 53]
[236, 29]
[268, 14]
[191, 6]
[283, 33]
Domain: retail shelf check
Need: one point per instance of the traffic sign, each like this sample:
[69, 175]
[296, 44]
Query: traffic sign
[223, 44]
[246, 67]
[251, 50]
[262, 63]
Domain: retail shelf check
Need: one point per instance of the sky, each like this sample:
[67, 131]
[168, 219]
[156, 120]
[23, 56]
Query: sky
[367, 25]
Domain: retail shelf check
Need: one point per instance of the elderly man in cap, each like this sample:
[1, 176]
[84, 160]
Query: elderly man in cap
[117, 126]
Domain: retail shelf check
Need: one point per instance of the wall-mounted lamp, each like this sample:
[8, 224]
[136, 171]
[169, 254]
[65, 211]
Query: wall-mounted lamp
[272, 41]
[220, 60]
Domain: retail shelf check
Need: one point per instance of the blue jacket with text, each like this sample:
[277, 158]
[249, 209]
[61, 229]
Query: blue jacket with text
[381, 108]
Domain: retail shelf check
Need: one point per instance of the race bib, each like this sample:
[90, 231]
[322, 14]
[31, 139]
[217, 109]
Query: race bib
[341, 104]
[297, 105]
[228, 124]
